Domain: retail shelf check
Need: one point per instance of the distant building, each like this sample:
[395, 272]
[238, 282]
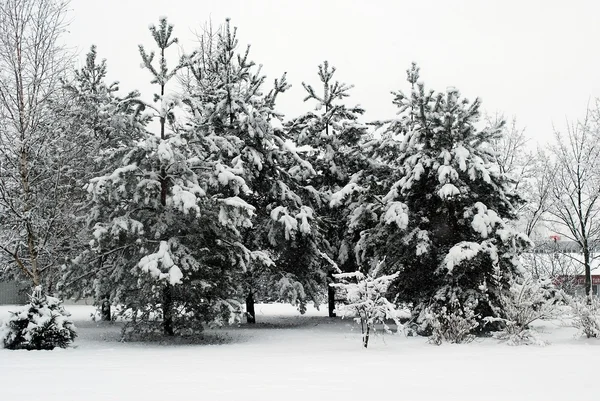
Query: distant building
[576, 284]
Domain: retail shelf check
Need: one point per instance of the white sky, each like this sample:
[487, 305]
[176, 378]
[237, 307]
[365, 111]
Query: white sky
[536, 60]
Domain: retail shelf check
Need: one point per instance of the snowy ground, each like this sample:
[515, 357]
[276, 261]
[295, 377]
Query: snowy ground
[292, 357]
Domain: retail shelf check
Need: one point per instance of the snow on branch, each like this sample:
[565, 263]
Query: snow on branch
[236, 212]
[229, 177]
[448, 191]
[161, 266]
[484, 220]
[461, 252]
[184, 200]
[337, 198]
[396, 213]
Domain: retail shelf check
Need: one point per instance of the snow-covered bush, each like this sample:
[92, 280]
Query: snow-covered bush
[366, 301]
[515, 335]
[528, 300]
[41, 324]
[453, 323]
[586, 315]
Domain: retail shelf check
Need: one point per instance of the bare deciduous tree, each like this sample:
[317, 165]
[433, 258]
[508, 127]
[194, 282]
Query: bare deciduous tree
[512, 155]
[536, 191]
[529, 172]
[575, 189]
[31, 146]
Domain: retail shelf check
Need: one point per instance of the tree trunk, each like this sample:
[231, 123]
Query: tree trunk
[331, 297]
[588, 271]
[168, 310]
[105, 314]
[250, 314]
[366, 337]
[50, 284]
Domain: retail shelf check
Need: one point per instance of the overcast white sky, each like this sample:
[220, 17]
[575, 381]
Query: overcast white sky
[536, 60]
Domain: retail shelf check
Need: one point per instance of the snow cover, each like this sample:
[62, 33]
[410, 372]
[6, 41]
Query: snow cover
[477, 164]
[293, 357]
[379, 131]
[228, 177]
[237, 202]
[165, 152]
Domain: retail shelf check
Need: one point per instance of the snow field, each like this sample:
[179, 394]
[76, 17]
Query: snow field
[292, 357]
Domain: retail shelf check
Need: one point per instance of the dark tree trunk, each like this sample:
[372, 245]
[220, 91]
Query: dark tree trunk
[250, 315]
[330, 297]
[588, 270]
[168, 310]
[105, 314]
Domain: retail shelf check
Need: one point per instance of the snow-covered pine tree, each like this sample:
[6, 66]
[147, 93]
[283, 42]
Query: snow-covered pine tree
[239, 122]
[103, 126]
[170, 244]
[330, 135]
[440, 222]
[42, 324]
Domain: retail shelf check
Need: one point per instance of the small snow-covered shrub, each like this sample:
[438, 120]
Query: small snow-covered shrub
[41, 324]
[366, 301]
[514, 336]
[453, 323]
[586, 315]
[529, 299]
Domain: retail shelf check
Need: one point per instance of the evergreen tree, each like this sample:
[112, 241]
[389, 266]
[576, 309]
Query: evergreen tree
[330, 136]
[239, 122]
[437, 212]
[42, 324]
[102, 125]
[171, 236]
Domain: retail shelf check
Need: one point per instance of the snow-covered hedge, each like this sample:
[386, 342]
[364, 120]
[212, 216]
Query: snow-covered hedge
[43, 323]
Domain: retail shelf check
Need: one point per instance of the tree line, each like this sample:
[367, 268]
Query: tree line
[187, 209]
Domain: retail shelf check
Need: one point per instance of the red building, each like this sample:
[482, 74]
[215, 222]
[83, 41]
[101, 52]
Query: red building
[577, 283]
